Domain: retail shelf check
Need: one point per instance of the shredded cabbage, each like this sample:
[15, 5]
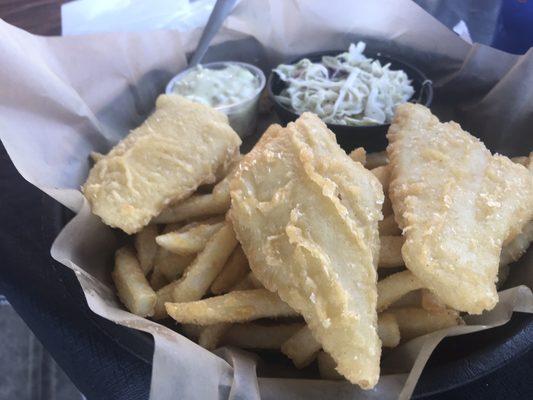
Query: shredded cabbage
[347, 89]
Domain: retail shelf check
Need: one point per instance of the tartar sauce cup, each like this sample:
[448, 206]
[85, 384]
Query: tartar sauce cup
[241, 106]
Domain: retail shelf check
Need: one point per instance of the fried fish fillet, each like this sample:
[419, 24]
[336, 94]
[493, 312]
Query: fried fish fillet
[178, 148]
[456, 203]
[307, 218]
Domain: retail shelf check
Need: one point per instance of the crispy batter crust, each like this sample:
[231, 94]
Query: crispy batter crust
[456, 204]
[178, 148]
[307, 218]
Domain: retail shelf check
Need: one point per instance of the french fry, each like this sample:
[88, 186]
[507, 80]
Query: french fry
[248, 282]
[171, 265]
[358, 155]
[190, 239]
[146, 247]
[204, 269]
[168, 266]
[238, 306]
[374, 160]
[158, 280]
[235, 270]
[411, 299]
[431, 303]
[211, 335]
[164, 295]
[256, 336]
[390, 253]
[389, 227]
[197, 205]
[192, 331]
[395, 286]
[327, 367]
[414, 322]
[388, 330]
[521, 160]
[132, 287]
[383, 175]
[301, 347]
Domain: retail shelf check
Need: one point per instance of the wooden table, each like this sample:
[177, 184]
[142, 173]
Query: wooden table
[42, 17]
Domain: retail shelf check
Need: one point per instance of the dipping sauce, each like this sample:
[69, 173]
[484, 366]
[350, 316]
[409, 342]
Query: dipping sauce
[230, 87]
[218, 87]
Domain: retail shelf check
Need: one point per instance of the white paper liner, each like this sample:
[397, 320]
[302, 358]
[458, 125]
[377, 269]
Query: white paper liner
[65, 97]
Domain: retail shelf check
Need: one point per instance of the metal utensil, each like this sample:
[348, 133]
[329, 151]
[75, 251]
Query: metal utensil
[221, 10]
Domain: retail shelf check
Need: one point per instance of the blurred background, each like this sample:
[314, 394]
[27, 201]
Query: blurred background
[27, 371]
[504, 24]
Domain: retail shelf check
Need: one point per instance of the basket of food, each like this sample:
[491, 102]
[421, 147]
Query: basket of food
[315, 263]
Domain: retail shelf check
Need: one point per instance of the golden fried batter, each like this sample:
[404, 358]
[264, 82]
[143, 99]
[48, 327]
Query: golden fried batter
[456, 204]
[307, 218]
[178, 148]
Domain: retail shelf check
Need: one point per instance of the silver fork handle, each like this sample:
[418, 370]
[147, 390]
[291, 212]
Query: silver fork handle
[221, 10]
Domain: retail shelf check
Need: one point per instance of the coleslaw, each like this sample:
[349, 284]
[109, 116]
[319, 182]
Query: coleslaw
[347, 89]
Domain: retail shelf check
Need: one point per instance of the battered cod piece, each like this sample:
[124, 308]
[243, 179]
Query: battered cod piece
[178, 148]
[456, 204]
[307, 218]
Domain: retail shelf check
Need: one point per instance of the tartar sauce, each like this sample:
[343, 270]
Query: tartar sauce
[227, 86]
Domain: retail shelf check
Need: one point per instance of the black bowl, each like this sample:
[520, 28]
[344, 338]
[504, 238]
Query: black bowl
[372, 138]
